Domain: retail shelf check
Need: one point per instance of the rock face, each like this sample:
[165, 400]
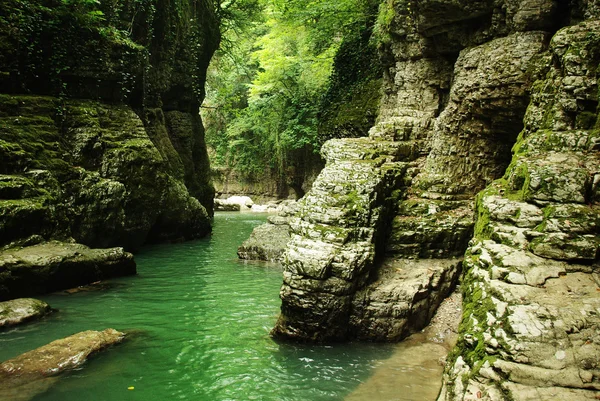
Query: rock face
[29, 374]
[334, 237]
[499, 96]
[101, 136]
[21, 310]
[54, 265]
[531, 324]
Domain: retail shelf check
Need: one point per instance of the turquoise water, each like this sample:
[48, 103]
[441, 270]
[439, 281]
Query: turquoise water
[198, 322]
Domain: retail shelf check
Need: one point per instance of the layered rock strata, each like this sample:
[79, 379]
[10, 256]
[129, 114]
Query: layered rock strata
[532, 285]
[335, 233]
[53, 266]
[454, 100]
[463, 79]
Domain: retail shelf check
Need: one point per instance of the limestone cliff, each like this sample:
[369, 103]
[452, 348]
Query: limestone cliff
[100, 136]
[495, 95]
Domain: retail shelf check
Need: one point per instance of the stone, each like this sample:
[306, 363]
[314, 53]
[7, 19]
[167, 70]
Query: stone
[21, 310]
[53, 266]
[108, 147]
[235, 203]
[92, 183]
[33, 372]
[332, 246]
[267, 242]
[543, 341]
[473, 135]
[224, 206]
[403, 298]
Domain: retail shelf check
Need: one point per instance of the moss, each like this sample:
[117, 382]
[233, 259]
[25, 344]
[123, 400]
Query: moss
[341, 235]
[476, 305]
[124, 56]
[351, 103]
[483, 229]
[385, 18]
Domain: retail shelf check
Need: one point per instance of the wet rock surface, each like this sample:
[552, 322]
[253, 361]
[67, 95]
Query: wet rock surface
[29, 374]
[52, 266]
[21, 310]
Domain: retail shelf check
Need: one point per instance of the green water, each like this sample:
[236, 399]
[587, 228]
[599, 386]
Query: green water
[198, 321]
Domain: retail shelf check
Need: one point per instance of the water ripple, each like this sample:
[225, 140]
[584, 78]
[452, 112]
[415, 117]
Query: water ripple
[198, 322]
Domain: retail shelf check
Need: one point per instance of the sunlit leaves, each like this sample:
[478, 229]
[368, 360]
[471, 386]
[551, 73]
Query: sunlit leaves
[264, 91]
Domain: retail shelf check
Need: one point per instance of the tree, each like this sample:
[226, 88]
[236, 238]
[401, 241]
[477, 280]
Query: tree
[265, 90]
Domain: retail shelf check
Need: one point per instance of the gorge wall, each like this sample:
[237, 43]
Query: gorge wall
[100, 136]
[499, 96]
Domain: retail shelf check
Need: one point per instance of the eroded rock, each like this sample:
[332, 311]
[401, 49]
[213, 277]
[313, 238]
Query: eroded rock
[333, 239]
[54, 265]
[21, 310]
[532, 290]
[403, 299]
[31, 373]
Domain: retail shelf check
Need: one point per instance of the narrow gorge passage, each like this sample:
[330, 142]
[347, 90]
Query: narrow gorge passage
[197, 321]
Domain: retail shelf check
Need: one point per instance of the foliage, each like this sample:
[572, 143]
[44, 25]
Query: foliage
[385, 18]
[46, 41]
[114, 50]
[350, 105]
[265, 94]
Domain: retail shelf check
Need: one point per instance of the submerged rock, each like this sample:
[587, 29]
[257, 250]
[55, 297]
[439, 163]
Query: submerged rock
[30, 374]
[21, 310]
[54, 265]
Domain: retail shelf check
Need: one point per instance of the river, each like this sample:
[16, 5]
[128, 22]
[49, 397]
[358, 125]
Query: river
[197, 320]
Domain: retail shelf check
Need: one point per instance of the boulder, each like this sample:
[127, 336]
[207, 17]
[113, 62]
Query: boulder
[29, 374]
[224, 206]
[52, 266]
[267, 242]
[21, 310]
[234, 203]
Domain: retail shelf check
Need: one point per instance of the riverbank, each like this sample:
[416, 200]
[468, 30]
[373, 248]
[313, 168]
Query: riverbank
[414, 370]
